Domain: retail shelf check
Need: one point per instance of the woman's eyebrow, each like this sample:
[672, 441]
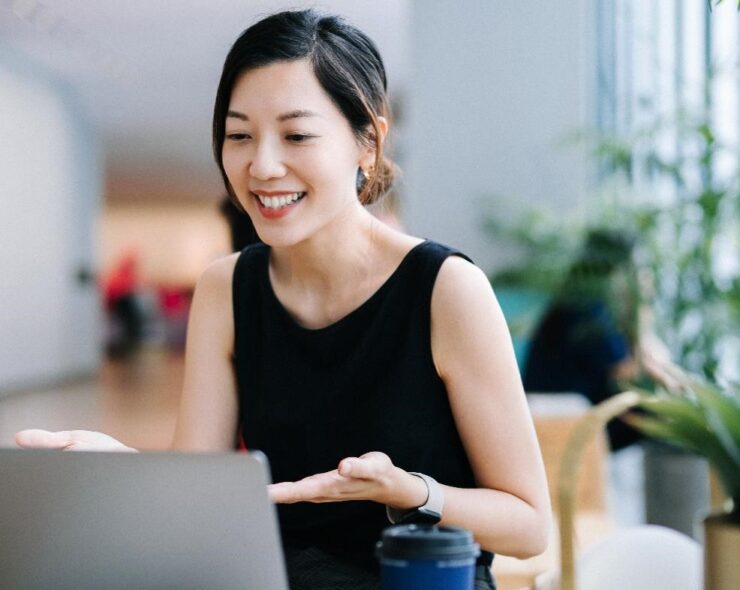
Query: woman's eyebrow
[297, 114]
[236, 115]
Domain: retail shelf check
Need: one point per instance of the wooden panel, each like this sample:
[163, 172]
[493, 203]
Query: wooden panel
[553, 433]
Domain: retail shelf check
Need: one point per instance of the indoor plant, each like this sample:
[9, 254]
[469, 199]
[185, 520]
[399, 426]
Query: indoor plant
[694, 415]
[701, 418]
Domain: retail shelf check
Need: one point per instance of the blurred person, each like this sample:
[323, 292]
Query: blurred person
[174, 307]
[579, 345]
[121, 299]
[355, 356]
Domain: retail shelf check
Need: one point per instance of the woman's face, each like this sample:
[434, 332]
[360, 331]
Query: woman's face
[289, 153]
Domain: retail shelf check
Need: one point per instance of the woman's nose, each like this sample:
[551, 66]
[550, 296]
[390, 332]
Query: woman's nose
[267, 162]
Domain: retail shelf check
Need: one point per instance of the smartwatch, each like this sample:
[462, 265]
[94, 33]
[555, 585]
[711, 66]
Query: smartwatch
[428, 513]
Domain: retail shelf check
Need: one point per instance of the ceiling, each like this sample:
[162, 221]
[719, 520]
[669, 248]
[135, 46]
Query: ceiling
[144, 72]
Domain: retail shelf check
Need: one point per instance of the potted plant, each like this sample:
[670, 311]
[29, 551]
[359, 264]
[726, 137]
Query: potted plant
[694, 415]
[701, 418]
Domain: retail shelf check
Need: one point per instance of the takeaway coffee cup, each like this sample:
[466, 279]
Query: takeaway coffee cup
[426, 556]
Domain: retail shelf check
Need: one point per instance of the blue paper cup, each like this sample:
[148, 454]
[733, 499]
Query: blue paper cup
[414, 557]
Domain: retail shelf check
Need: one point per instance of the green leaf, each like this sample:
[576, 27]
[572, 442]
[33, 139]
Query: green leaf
[706, 424]
[723, 416]
[664, 431]
[676, 408]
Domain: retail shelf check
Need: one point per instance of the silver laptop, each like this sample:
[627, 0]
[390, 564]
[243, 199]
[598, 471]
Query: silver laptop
[90, 520]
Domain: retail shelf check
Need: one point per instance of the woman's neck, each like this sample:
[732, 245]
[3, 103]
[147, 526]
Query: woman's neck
[342, 253]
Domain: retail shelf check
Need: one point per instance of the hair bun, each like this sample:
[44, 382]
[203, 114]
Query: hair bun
[379, 182]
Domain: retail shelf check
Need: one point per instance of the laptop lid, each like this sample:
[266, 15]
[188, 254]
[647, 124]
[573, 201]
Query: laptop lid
[91, 520]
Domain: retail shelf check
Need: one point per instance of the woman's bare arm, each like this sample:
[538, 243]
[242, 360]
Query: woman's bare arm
[207, 418]
[510, 512]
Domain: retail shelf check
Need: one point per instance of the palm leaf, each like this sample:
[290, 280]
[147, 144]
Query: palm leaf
[676, 408]
[723, 414]
[701, 420]
[661, 431]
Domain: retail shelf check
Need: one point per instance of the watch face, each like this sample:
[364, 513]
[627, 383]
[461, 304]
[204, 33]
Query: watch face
[421, 516]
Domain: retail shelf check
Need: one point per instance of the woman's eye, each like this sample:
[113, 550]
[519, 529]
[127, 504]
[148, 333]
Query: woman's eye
[299, 137]
[237, 136]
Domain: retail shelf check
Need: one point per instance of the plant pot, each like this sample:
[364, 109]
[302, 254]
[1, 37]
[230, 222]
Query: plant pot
[676, 487]
[722, 551]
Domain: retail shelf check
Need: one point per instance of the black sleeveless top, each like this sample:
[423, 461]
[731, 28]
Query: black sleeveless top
[311, 397]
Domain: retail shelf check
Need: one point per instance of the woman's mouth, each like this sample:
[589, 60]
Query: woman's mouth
[277, 205]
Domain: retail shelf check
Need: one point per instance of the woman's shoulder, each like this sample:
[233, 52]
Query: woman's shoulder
[459, 281]
[218, 274]
[467, 322]
[398, 244]
[453, 270]
[455, 280]
[222, 269]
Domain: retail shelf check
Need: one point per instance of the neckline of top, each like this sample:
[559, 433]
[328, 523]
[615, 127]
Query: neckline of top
[353, 313]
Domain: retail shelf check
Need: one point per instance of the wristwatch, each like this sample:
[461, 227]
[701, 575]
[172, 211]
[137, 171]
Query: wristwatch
[428, 513]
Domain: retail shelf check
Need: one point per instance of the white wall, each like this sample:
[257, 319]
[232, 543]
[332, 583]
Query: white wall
[495, 87]
[50, 190]
[174, 241]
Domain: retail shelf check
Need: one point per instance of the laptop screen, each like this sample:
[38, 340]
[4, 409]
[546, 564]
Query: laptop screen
[149, 520]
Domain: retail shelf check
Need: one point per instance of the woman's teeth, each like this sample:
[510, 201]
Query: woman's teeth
[278, 202]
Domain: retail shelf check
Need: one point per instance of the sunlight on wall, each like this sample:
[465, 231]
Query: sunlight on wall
[175, 242]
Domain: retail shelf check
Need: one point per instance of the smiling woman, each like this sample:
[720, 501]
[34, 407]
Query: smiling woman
[373, 368]
[346, 65]
[279, 119]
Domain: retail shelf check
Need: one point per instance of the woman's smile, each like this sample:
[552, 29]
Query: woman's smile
[274, 205]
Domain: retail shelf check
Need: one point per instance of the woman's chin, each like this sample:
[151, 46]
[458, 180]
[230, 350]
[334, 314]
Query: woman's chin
[280, 238]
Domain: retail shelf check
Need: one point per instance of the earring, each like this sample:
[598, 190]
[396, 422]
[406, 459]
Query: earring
[363, 177]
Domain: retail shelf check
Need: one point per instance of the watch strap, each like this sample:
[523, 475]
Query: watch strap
[430, 511]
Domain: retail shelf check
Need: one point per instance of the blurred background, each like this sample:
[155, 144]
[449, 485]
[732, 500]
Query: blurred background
[523, 130]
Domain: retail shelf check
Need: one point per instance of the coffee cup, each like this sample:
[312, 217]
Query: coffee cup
[427, 557]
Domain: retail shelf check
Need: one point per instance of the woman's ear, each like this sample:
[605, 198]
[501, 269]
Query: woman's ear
[382, 128]
[367, 161]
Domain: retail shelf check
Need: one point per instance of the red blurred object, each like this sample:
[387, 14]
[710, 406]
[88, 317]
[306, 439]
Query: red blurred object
[242, 448]
[173, 301]
[123, 280]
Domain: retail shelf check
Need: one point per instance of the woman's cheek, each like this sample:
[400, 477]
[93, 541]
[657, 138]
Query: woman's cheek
[227, 161]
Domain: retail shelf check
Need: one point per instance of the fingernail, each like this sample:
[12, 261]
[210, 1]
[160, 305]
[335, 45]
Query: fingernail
[346, 468]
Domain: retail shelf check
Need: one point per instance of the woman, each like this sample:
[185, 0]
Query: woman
[350, 353]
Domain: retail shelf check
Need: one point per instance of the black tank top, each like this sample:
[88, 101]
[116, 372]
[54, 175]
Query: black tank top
[311, 397]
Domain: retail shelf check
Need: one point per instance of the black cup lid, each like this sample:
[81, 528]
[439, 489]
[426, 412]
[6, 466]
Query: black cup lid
[415, 541]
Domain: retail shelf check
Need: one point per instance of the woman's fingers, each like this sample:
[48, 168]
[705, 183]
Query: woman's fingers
[286, 492]
[69, 440]
[373, 465]
[348, 467]
[42, 439]
[323, 487]
[356, 478]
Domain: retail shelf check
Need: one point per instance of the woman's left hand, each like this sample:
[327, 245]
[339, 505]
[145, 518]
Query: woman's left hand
[371, 476]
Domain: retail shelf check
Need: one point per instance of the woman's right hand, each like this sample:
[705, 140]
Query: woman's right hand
[70, 440]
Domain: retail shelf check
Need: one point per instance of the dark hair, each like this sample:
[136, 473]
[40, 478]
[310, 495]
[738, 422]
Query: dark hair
[604, 251]
[241, 228]
[347, 65]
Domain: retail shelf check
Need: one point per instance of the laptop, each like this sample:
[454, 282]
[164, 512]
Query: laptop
[155, 520]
